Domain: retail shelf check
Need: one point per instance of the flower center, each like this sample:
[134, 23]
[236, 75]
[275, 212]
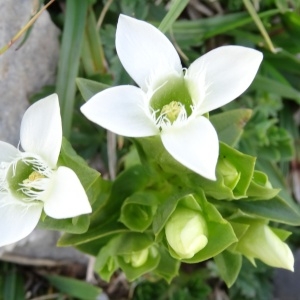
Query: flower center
[27, 178]
[172, 110]
[171, 101]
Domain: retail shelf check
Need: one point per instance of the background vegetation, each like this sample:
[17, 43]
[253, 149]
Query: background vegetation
[88, 53]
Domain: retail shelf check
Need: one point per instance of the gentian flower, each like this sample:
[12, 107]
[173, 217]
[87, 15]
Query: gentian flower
[172, 101]
[31, 181]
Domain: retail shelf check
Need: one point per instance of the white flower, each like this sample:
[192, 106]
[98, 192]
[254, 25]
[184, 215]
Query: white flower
[171, 100]
[31, 180]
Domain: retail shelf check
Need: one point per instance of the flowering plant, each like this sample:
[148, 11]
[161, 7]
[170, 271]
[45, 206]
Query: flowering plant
[186, 192]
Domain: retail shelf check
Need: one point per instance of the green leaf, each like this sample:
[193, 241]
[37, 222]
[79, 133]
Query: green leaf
[229, 125]
[276, 209]
[73, 287]
[168, 267]
[275, 87]
[13, 283]
[68, 66]
[75, 225]
[88, 88]
[260, 188]
[195, 32]
[92, 55]
[176, 9]
[229, 266]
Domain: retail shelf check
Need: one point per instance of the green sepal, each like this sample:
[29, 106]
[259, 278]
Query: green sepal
[244, 165]
[88, 88]
[138, 210]
[229, 125]
[106, 261]
[229, 265]
[260, 187]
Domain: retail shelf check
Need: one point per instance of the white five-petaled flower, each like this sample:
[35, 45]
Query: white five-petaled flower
[31, 180]
[171, 100]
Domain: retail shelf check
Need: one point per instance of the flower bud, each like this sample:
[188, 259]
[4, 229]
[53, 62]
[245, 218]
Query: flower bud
[262, 243]
[138, 258]
[186, 232]
[229, 173]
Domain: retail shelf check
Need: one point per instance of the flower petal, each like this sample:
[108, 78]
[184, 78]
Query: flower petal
[195, 145]
[41, 131]
[7, 152]
[17, 220]
[227, 71]
[145, 52]
[121, 110]
[66, 197]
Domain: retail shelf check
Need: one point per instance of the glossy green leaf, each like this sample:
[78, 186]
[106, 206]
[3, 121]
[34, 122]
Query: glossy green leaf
[92, 55]
[73, 287]
[229, 265]
[273, 86]
[175, 10]
[88, 88]
[168, 267]
[75, 225]
[260, 188]
[276, 209]
[229, 124]
[68, 66]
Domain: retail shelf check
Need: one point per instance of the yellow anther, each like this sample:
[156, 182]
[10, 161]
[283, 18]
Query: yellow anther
[172, 110]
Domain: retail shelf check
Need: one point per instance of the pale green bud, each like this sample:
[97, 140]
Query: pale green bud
[186, 232]
[138, 258]
[262, 243]
[229, 172]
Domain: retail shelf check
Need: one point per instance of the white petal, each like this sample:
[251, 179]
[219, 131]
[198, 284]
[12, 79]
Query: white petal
[66, 197]
[121, 110]
[41, 131]
[7, 152]
[227, 71]
[17, 220]
[145, 52]
[195, 145]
